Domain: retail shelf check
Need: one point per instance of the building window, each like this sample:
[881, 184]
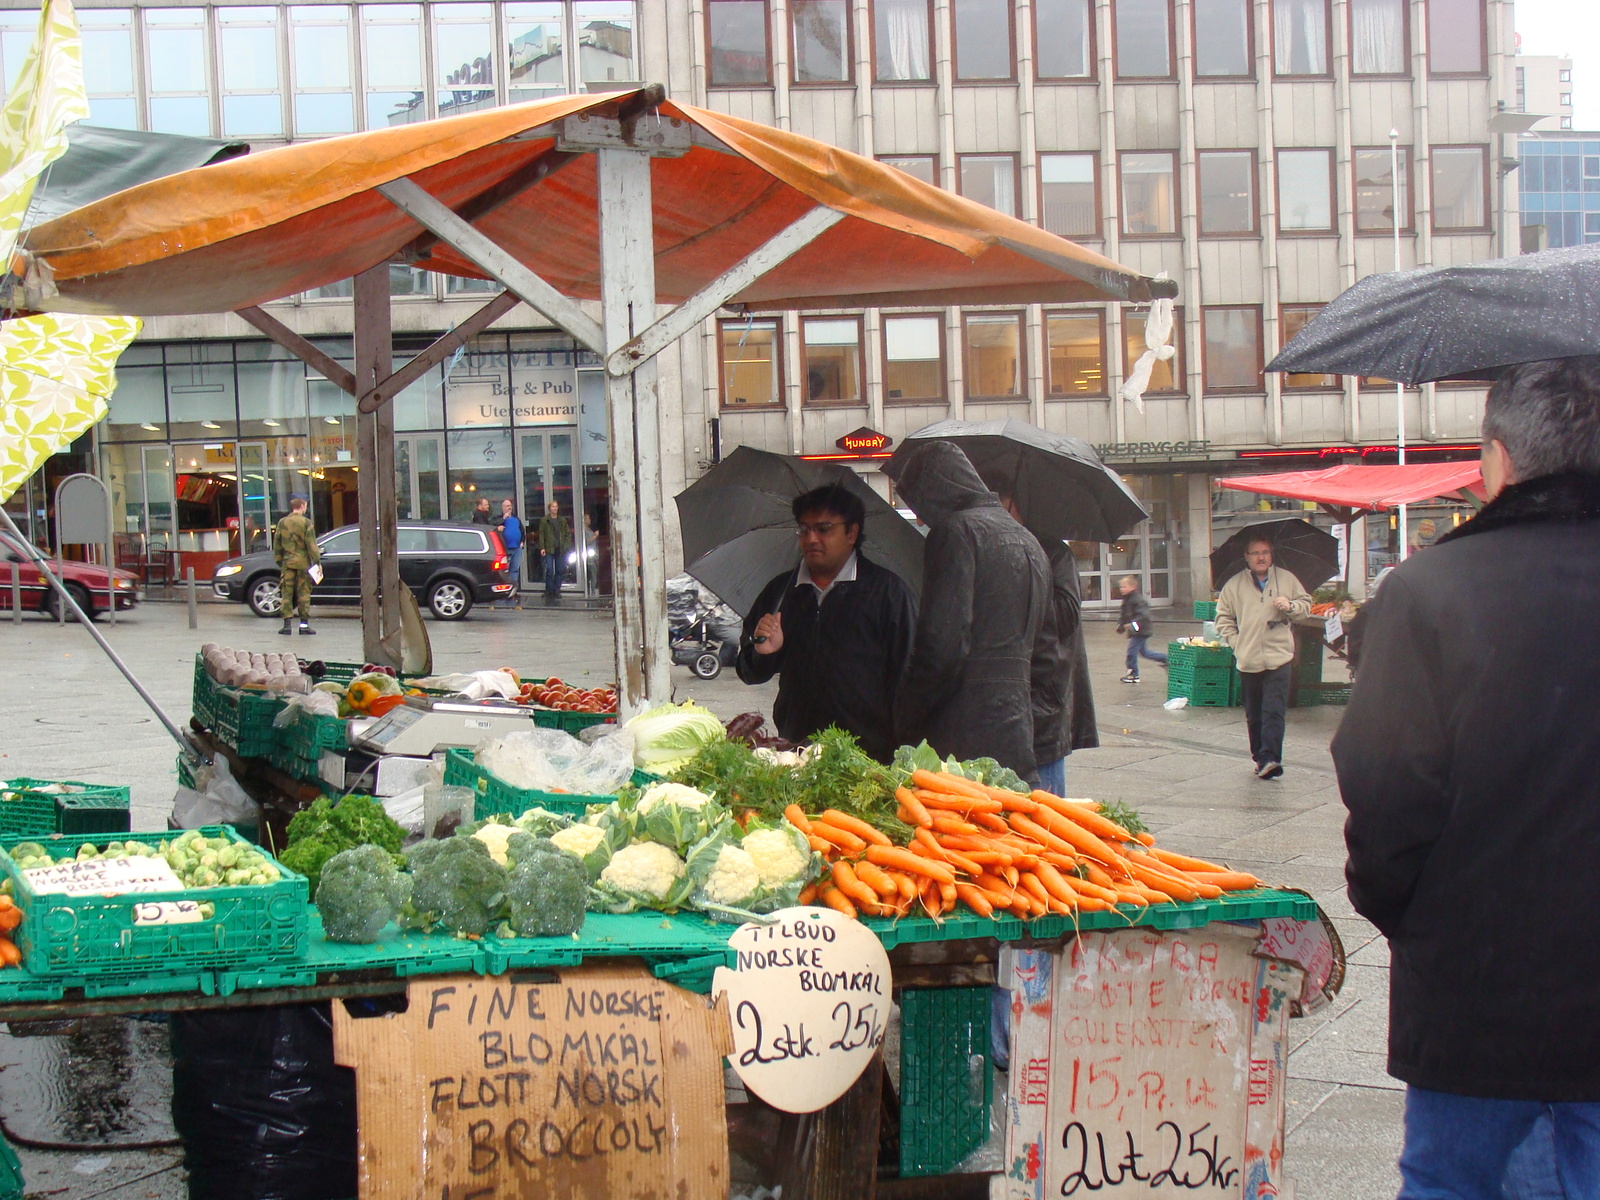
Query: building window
[1378, 41]
[1300, 37]
[1142, 35]
[178, 70]
[319, 48]
[1375, 202]
[1075, 353]
[1227, 191]
[1522, 89]
[247, 50]
[821, 41]
[1566, 100]
[1149, 207]
[982, 39]
[1222, 38]
[902, 35]
[1063, 39]
[831, 353]
[536, 47]
[1591, 166]
[1167, 375]
[1591, 227]
[1455, 37]
[1068, 197]
[736, 38]
[107, 62]
[913, 358]
[391, 36]
[463, 40]
[989, 179]
[994, 356]
[1460, 187]
[1566, 122]
[752, 373]
[1292, 319]
[1232, 357]
[1562, 76]
[1305, 191]
[919, 166]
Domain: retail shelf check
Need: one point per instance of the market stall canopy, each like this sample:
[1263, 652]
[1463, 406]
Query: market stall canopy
[1462, 322]
[256, 229]
[1369, 488]
[101, 162]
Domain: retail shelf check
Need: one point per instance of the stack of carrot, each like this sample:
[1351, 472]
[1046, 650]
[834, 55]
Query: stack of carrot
[995, 850]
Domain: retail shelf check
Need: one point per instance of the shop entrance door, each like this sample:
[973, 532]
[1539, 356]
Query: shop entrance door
[205, 506]
[419, 476]
[546, 464]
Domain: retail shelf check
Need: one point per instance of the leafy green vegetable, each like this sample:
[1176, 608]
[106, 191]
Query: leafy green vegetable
[1124, 815]
[734, 775]
[669, 735]
[455, 882]
[324, 829]
[546, 889]
[360, 891]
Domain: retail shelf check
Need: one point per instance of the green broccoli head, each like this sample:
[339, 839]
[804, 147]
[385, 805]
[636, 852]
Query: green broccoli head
[546, 889]
[455, 882]
[360, 892]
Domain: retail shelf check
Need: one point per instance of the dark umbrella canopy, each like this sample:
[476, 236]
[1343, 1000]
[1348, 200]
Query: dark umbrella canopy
[1064, 491]
[1299, 547]
[738, 523]
[1464, 322]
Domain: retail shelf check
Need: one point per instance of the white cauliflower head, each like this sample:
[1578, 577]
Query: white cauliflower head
[495, 836]
[733, 879]
[779, 857]
[579, 839]
[672, 793]
[644, 867]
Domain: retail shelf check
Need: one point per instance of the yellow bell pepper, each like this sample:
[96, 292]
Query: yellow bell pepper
[361, 695]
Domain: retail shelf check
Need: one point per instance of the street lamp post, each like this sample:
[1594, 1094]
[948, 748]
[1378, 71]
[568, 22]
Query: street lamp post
[1399, 387]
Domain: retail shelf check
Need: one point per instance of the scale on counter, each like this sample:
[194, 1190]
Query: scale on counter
[423, 725]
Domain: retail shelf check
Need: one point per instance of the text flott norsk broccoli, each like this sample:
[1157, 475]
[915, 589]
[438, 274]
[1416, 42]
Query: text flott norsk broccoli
[455, 882]
[360, 891]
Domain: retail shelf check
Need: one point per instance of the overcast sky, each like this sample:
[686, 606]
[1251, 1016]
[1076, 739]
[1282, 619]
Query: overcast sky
[1569, 28]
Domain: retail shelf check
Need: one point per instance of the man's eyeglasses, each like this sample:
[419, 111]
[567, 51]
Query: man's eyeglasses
[820, 528]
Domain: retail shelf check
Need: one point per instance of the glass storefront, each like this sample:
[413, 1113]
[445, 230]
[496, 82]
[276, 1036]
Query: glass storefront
[1146, 552]
[206, 444]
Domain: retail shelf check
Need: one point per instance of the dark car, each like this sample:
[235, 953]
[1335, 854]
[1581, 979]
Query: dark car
[85, 581]
[448, 567]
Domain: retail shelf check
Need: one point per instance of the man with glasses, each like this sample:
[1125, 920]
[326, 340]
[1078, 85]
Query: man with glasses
[836, 631]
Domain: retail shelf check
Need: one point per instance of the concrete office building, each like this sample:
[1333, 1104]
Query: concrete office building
[1544, 85]
[1240, 146]
[1558, 187]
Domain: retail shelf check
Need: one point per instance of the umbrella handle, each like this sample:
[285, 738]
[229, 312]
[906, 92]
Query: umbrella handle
[762, 639]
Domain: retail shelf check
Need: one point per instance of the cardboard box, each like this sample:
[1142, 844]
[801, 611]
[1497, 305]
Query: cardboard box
[606, 1082]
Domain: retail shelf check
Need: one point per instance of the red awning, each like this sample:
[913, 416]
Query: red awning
[1371, 488]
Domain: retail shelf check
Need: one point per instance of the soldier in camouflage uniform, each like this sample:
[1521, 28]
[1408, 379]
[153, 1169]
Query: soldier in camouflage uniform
[294, 549]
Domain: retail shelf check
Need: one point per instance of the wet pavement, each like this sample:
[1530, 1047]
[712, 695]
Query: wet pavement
[69, 715]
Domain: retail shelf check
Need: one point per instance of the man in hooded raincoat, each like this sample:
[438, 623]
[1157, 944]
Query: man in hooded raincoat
[986, 602]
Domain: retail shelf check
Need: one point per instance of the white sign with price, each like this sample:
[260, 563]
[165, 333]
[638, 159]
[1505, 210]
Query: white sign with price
[809, 1001]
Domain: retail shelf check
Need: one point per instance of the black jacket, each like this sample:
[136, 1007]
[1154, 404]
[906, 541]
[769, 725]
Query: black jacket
[1469, 760]
[841, 664]
[1135, 608]
[1063, 701]
[985, 596]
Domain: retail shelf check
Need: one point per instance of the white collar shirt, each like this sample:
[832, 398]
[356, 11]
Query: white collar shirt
[847, 574]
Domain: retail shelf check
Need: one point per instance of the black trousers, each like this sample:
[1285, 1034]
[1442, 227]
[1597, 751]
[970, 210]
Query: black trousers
[1266, 703]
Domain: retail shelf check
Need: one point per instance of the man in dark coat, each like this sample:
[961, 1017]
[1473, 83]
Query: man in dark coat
[985, 597]
[837, 630]
[1470, 764]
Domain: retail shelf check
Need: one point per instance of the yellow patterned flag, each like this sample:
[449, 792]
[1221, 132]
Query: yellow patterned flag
[55, 371]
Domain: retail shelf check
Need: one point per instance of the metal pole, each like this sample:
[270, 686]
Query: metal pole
[111, 582]
[1399, 387]
[16, 593]
[194, 612]
[66, 600]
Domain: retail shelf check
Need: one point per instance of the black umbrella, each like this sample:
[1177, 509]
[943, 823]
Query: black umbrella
[738, 523]
[1064, 491]
[1466, 322]
[1299, 547]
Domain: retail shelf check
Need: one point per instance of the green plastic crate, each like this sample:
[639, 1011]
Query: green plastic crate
[34, 808]
[1205, 610]
[1321, 694]
[244, 721]
[1209, 694]
[97, 936]
[494, 795]
[24, 810]
[185, 772]
[1182, 654]
[1189, 673]
[946, 1083]
[104, 810]
[11, 1186]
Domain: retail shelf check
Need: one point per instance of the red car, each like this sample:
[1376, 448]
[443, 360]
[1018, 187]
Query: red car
[85, 581]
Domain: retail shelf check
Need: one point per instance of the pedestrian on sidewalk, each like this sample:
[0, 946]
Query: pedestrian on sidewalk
[1134, 620]
[1467, 756]
[1256, 611]
[294, 549]
[511, 536]
[481, 514]
[555, 540]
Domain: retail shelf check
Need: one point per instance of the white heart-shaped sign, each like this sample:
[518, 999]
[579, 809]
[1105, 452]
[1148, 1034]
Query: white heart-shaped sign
[809, 1002]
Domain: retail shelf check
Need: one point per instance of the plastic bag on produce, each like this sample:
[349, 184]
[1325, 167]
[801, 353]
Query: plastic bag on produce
[473, 686]
[406, 809]
[321, 704]
[532, 758]
[215, 799]
[605, 767]
[263, 1111]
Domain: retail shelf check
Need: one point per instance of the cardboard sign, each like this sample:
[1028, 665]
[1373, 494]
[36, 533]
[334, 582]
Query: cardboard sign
[1335, 627]
[104, 877]
[809, 1001]
[1308, 944]
[1147, 1062]
[607, 1082]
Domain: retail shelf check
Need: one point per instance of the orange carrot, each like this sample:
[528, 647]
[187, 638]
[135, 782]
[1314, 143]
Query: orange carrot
[989, 821]
[1148, 895]
[1207, 891]
[904, 860]
[908, 885]
[944, 824]
[1145, 839]
[1228, 881]
[807, 894]
[855, 825]
[943, 781]
[959, 802]
[838, 901]
[9, 954]
[1085, 816]
[975, 899]
[858, 893]
[1047, 839]
[797, 817]
[1184, 863]
[1093, 890]
[1142, 899]
[1175, 888]
[1083, 841]
[1053, 883]
[1034, 887]
[932, 903]
[817, 844]
[1096, 873]
[876, 878]
[913, 806]
[842, 838]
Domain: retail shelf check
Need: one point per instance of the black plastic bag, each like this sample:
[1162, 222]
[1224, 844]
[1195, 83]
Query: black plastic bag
[263, 1112]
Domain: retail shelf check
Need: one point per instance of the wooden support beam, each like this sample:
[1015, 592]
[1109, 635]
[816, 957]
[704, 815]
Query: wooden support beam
[682, 319]
[539, 295]
[436, 353]
[298, 346]
[492, 197]
[375, 482]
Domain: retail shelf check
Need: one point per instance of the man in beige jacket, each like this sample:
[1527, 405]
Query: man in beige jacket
[1255, 614]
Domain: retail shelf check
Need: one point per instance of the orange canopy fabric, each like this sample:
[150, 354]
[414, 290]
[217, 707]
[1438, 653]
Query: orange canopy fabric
[1370, 488]
[269, 225]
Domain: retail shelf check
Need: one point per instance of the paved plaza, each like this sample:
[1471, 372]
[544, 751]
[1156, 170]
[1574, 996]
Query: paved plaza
[68, 714]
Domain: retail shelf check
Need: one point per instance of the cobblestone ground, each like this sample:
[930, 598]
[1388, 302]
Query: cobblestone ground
[67, 714]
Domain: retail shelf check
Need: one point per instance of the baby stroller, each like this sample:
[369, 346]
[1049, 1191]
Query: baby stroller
[703, 633]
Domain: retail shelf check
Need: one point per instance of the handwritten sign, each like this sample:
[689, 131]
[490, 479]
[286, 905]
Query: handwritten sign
[104, 877]
[607, 1082]
[1335, 627]
[1309, 944]
[809, 1001]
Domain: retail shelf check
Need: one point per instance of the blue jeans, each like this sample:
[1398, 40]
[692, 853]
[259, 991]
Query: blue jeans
[1466, 1148]
[552, 573]
[1139, 644]
[1053, 777]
